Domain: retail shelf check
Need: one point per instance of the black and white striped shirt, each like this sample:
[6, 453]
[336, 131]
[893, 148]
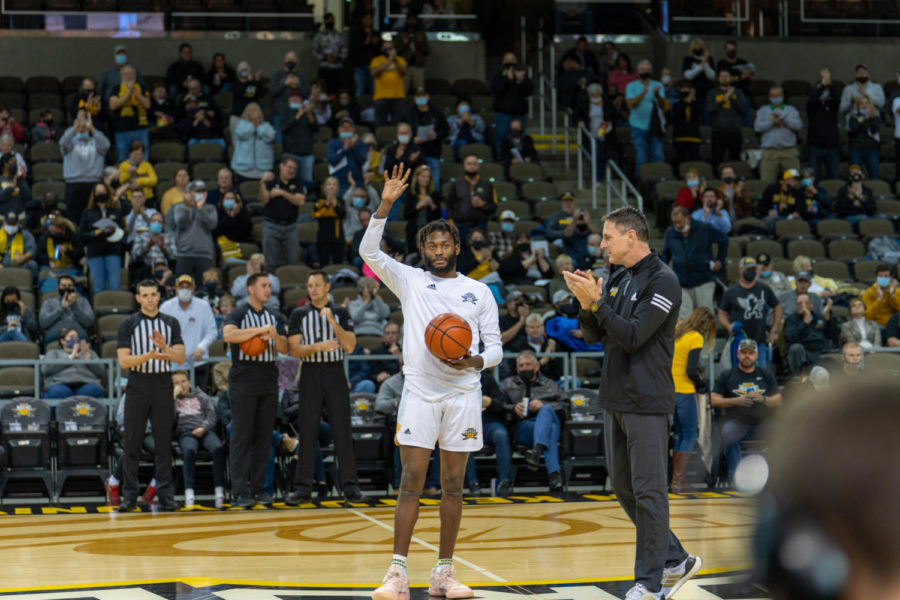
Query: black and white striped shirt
[246, 317]
[135, 333]
[314, 328]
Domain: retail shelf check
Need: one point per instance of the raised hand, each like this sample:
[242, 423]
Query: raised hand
[395, 184]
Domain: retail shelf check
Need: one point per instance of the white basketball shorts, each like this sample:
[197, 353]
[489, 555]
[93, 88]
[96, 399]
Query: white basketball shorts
[454, 422]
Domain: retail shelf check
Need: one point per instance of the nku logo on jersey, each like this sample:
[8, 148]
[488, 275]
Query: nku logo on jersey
[469, 297]
[470, 434]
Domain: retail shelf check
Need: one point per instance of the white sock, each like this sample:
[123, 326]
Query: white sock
[220, 492]
[400, 561]
[189, 497]
[113, 480]
[153, 482]
[444, 563]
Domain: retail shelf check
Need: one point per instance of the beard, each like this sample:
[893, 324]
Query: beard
[448, 268]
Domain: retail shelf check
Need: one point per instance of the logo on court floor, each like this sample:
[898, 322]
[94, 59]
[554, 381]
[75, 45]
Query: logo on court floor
[469, 297]
[470, 434]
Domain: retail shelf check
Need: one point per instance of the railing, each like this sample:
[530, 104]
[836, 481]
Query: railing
[590, 153]
[613, 169]
[547, 83]
[110, 364]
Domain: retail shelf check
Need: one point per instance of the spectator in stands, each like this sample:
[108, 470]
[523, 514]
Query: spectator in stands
[670, 87]
[608, 58]
[60, 250]
[257, 264]
[563, 325]
[253, 139]
[477, 259]
[421, 205]
[329, 212]
[14, 190]
[893, 107]
[882, 298]
[403, 151]
[330, 49]
[17, 246]
[698, 68]
[412, 46]
[286, 78]
[863, 137]
[534, 399]
[503, 241]
[298, 124]
[44, 130]
[863, 87]
[74, 378]
[691, 195]
[221, 76]
[390, 344]
[744, 306]
[686, 119]
[590, 111]
[739, 70]
[346, 155]
[512, 324]
[538, 341]
[365, 45]
[198, 326]
[471, 200]
[224, 184]
[852, 362]
[344, 105]
[16, 320]
[233, 226]
[859, 329]
[621, 75]
[523, 265]
[136, 171]
[102, 234]
[818, 202]
[645, 100]
[198, 119]
[582, 54]
[713, 211]
[493, 419]
[388, 71]
[571, 80]
[596, 261]
[7, 149]
[364, 215]
[768, 275]
[517, 147]
[211, 291]
[855, 201]
[746, 393]
[688, 247]
[783, 200]
[726, 107]
[39, 210]
[777, 123]
[248, 88]
[138, 219]
[357, 198]
[161, 114]
[9, 126]
[560, 220]
[368, 311]
[820, 285]
[429, 127]
[320, 101]
[69, 311]
[164, 277]
[151, 245]
[112, 76]
[806, 334]
[174, 196]
[128, 105]
[511, 88]
[891, 331]
[182, 70]
[194, 223]
[88, 99]
[195, 420]
[822, 139]
[464, 126]
[84, 151]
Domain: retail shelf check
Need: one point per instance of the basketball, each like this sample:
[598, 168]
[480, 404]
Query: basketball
[254, 346]
[448, 336]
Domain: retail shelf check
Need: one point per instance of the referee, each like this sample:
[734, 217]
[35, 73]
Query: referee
[634, 315]
[148, 343]
[253, 388]
[320, 333]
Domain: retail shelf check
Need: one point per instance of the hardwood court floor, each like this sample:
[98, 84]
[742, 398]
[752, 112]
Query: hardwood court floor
[508, 544]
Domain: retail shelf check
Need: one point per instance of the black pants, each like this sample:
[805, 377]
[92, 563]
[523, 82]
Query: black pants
[687, 151]
[148, 395]
[636, 457]
[720, 141]
[254, 401]
[148, 445]
[192, 266]
[389, 108]
[324, 383]
[190, 445]
[331, 253]
[77, 196]
[333, 78]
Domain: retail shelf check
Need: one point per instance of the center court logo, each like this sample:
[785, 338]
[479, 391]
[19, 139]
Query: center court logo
[470, 434]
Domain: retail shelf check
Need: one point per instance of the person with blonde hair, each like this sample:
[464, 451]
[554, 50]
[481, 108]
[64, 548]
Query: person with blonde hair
[691, 335]
[330, 212]
[253, 139]
[422, 204]
[698, 68]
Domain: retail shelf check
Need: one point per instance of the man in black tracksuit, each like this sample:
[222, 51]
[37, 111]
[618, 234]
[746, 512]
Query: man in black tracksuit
[634, 315]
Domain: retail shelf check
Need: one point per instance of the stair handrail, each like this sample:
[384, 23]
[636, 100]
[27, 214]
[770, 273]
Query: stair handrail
[613, 169]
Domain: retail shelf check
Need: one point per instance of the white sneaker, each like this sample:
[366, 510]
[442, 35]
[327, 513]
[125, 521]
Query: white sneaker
[188, 498]
[444, 585]
[639, 592]
[675, 577]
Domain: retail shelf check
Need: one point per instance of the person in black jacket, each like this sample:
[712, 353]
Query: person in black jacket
[234, 220]
[822, 132]
[298, 124]
[517, 147]
[220, 76]
[421, 205]
[855, 201]
[429, 129]
[183, 69]
[404, 151]
[365, 44]
[103, 245]
[686, 118]
[634, 314]
[698, 68]
[511, 89]
[523, 266]
[583, 56]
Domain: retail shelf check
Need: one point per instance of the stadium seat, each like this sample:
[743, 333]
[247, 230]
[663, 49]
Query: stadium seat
[828, 229]
[47, 171]
[846, 250]
[788, 229]
[811, 248]
[369, 342]
[19, 351]
[470, 87]
[750, 224]
[832, 186]
[44, 100]
[741, 169]
[653, 172]
[883, 362]
[888, 207]
[483, 152]
[833, 269]
[291, 297]
[110, 302]
[161, 151]
[204, 151]
[45, 151]
[207, 170]
[667, 190]
[42, 83]
[521, 208]
[81, 441]
[168, 169]
[493, 172]
[26, 438]
[864, 271]
[796, 87]
[539, 191]
[544, 209]
[19, 277]
[385, 134]
[292, 275]
[108, 326]
[505, 190]
[526, 172]
[880, 189]
[770, 247]
[12, 84]
[437, 85]
[450, 172]
[333, 269]
[342, 293]
[702, 167]
[249, 188]
[16, 381]
[872, 228]
[40, 188]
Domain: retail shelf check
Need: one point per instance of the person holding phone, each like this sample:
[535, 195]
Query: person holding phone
[17, 322]
[75, 378]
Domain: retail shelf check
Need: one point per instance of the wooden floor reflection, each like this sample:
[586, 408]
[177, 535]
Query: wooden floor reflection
[522, 543]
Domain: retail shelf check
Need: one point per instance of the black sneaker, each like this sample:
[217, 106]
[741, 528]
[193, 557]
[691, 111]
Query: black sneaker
[352, 493]
[298, 497]
[532, 460]
[166, 507]
[556, 483]
[265, 499]
[504, 489]
[242, 502]
[474, 489]
[322, 490]
[127, 506]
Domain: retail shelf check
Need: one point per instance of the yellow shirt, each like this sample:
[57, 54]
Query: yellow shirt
[881, 311]
[389, 83]
[172, 197]
[144, 175]
[683, 346]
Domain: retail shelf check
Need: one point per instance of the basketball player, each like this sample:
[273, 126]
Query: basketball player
[253, 388]
[149, 342]
[634, 315]
[441, 399]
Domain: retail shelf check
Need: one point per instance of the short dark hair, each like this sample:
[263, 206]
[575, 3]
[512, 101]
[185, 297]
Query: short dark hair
[181, 372]
[185, 45]
[285, 159]
[723, 70]
[439, 226]
[462, 99]
[320, 273]
[59, 280]
[146, 283]
[136, 145]
[627, 218]
[251, 281]
[680, 210]
[883, 267]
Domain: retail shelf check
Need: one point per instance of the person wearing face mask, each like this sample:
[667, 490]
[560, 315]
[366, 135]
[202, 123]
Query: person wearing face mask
[783, 200]
[129, 117]
[777, 123]
[859, 329]
[73, 378]
[564, 327]
[102, 233]
[15, 192]
[523, 265]
[429, 129]
[198, 326]
[893, 106]
[823, 139]
[768, 275]
[477, 260]
[220, 76]
[194, 223]
[686, 119]
[864, 137]
[412, 45]
[853, 363]
[247, 88]
[713, 211]
[162, 112]
[388, 70]
[596, 260]
[17, 321]
[690, 196]
[670, 85]
[647, 105]
[138, 219]
[504, 241]
[404, 150]
[329, 212]
[739, 70]
[727, 107]
[357, 199]
[538, 341]
[735, 194]
[510, 88]
[882, 298]
[472, 200]
[257, 264]
[70, 310]
[112, 76]
[233, 227]
[581, 53]
[58, 249]
[88, 100]
[211, 291]
[135, 171]
[198, 118]
[298, 125]
[538, 425]
[807, 334]
[421, 205]
[330, 49]
[688, 247]
[698, 68]
[744, 307]
[347, 154]
[892, 332]
[17, 246]
[518, 147]
[863, 86]
[855, 201]
[464, 127]
[286, 78]
[818, 202]
[150, 246]
[83, 149]
[589, 106]
[365, 44]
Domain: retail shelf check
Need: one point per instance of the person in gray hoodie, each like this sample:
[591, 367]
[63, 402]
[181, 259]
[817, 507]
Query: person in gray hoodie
[76, 378]
[195, 422]
[69, 311]
[84, 152]
[194, 223]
